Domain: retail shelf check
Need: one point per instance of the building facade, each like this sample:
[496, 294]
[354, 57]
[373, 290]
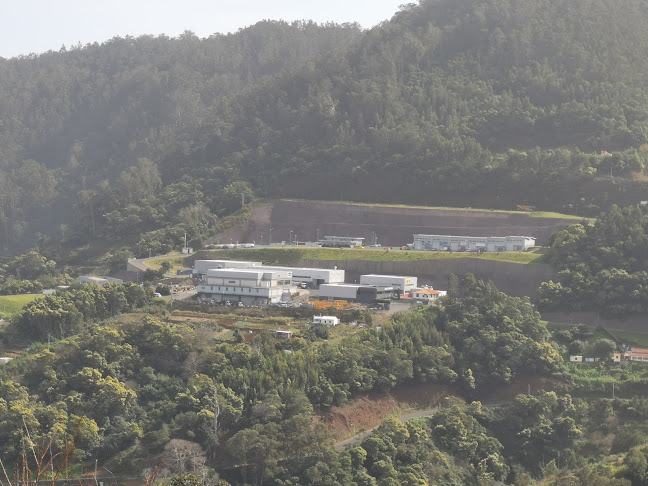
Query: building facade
[472, 243]
[365, 294]
[200, 267]
[428, 295]
[326, 320]
[403, 283]
[250, 287]
[341, 242]
[312, 277]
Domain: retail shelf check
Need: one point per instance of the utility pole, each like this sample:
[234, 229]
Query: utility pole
[270, 242]
[242, 199]
[317, 234]
[185, 240]
[612, 390]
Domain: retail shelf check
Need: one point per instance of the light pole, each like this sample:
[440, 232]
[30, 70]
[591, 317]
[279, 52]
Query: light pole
[290, 239]
[270, 242]
[261, 240]
[317, 234]
[295, 239]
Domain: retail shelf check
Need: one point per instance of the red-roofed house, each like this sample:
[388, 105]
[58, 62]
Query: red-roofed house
[428, 295]
[639, 354]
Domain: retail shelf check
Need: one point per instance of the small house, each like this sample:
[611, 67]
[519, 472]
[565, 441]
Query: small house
[326, 320]
[428, 295]
[575, 359]
[639, 354]
[283, 334]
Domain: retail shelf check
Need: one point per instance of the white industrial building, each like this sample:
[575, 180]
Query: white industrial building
[312, 277]
[251, 287]
[101, 281]
[341, 242]
[404, 284]
[326, 320]
[200, 267]
[354, 292]
[472, 243]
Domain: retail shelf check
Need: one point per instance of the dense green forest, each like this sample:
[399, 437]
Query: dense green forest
[487, 103]
[84, 131]
[146, 397]
[133, 391]
[602, 265]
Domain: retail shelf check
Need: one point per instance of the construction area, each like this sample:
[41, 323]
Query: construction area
[290, 220]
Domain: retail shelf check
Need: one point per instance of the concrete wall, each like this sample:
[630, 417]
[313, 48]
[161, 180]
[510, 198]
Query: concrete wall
[515, 279]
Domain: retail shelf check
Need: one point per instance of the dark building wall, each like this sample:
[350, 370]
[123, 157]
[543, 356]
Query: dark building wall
[513, 278]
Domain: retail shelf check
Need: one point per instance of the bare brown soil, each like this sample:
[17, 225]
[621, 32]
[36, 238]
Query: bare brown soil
[369, 411]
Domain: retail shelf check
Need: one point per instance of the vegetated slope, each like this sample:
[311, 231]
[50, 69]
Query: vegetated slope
[73, 118]
[444, 104]
[603, 266]
[420, 108]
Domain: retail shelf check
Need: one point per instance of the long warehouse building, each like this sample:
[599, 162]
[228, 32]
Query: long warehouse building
[472, 243]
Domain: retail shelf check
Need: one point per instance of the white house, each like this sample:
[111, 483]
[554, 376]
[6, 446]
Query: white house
[326, 320]
[279, 334]
[576, 359]
[428, 295]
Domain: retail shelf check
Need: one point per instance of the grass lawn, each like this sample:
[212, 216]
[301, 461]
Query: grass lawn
[175, 259]
[533, 214]
[12, 304]
[633, 338]
[292, 255]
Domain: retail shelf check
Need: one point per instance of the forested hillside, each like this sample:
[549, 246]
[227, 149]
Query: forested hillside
[84, 131]
[461, 102]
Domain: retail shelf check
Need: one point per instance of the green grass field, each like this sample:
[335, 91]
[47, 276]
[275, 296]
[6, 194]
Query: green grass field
[175, 259]
[632, 338]
[292, 255]
[12, 304]
[533, 214]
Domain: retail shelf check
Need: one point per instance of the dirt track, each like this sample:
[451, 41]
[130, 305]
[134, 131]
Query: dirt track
[394, 226]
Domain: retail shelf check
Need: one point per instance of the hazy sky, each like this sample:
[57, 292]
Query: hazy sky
[28, 26]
